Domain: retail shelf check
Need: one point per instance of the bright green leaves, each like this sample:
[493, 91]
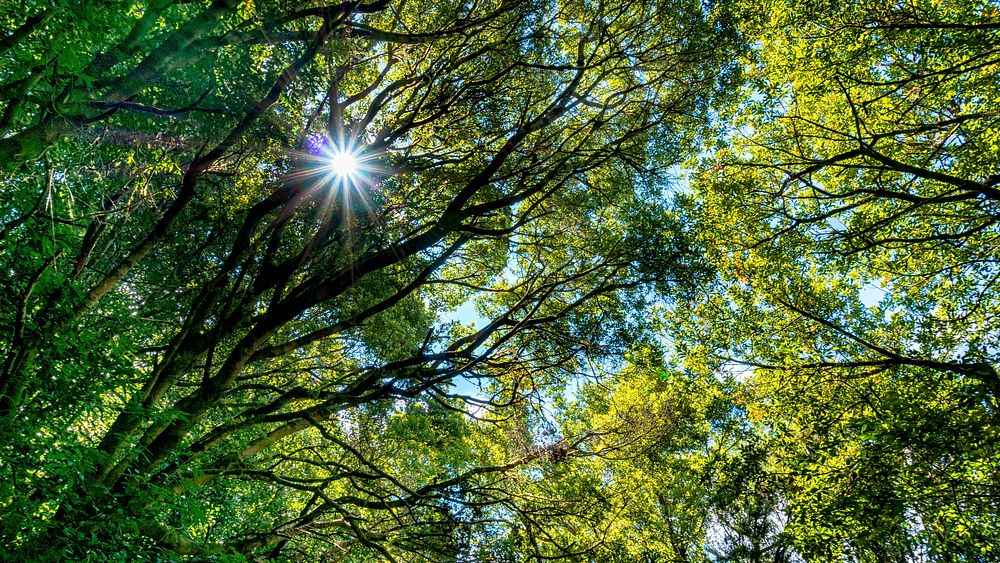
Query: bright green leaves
[851, 217]
[256, 357]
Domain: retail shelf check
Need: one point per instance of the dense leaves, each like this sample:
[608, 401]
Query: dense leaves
[499, 280]
[853, 219]
[219, 345]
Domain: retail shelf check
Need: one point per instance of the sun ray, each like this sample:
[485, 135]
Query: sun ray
[343, 163]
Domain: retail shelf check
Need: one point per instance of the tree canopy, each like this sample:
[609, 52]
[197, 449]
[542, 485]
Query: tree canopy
[500, 280]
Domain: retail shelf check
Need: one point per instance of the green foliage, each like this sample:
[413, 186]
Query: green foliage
[850, 210]
[215, 348]
[732, 267]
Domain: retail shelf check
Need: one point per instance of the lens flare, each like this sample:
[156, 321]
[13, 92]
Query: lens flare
[340, 173]
[342, 168]
[343, 163]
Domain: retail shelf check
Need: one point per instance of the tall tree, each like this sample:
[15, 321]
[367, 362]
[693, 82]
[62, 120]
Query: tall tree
[233, 230]
[851, 209]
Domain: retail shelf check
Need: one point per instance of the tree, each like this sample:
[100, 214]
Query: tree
[231, 229]
[851, 210]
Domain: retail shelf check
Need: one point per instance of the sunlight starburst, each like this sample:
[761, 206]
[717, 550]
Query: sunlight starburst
[339, 173]
[342, 163]
[338, 164]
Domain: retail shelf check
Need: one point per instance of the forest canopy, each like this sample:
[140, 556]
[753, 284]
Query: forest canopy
[499, 280]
